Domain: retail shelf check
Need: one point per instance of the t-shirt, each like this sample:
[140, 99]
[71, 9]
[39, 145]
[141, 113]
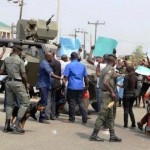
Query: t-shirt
[75, 72]
[102, 66]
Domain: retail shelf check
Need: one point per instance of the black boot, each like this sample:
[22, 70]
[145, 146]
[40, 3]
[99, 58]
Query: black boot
[113, 137]
[125, 124]
[7, 127]
[94, 136]
[133, 125]
[16, 127]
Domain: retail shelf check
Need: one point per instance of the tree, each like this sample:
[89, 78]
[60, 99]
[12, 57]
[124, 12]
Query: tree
[137, 55]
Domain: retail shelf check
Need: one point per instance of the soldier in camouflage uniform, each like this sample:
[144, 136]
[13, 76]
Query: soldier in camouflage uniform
[107, 95]
[31, 30]
[16, 85]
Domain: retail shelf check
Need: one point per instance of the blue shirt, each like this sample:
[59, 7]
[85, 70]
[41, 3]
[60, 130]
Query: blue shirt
[44, 78]
[75, 73]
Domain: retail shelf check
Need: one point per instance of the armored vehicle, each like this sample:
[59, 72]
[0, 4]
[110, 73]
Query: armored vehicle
[35, 37]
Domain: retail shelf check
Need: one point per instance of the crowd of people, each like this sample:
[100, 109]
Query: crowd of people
[70, 77]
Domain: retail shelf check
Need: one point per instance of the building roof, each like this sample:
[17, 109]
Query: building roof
[4, 25]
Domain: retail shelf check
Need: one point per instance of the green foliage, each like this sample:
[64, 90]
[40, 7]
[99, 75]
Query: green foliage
[137, 55]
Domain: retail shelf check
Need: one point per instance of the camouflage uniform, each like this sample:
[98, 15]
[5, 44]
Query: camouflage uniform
[106, 114]
[14, 86]
[31, 30]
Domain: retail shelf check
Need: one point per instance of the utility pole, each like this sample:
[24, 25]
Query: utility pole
[96, 25]
[21, 9]
[21, 3]
[75, 33]
[58, 20]
[13, 30]
[84, 52]
[84, 39]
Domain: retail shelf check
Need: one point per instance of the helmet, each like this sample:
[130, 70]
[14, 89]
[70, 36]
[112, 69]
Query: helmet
[32, 22]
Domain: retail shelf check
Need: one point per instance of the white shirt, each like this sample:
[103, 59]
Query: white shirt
[102, 66]
[63, 65]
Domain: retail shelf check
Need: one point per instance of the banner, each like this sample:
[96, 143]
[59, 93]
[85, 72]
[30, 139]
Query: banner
[104, 46]
[68, 45]
[143, 70]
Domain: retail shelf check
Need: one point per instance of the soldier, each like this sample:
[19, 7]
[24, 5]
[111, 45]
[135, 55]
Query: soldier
[31, 30]
[107, 89]
[16, 85]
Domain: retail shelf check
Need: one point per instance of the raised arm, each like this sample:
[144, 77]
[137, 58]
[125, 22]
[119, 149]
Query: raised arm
[89, 58]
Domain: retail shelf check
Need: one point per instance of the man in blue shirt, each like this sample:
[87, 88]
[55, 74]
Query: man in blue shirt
[76, 74]
[44, 82]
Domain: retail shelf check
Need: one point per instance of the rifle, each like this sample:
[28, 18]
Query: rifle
[49, 20]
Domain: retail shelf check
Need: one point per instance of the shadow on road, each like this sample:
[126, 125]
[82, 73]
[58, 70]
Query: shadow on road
[83, 135]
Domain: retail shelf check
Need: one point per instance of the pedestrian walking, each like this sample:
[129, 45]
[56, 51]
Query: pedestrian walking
[107, 87]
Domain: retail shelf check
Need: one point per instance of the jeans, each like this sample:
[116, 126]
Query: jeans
[76, 97]
[44, 98]
[44, 95]
[51, 107]
[128, 105]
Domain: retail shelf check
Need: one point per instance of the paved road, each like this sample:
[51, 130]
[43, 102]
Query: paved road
[66, 136]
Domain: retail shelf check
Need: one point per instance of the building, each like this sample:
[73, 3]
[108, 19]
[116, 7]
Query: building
[5, 31]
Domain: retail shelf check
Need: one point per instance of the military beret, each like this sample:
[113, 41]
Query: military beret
[18, 47]
[111, 55]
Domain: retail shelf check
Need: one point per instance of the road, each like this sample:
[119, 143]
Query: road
[73, 136]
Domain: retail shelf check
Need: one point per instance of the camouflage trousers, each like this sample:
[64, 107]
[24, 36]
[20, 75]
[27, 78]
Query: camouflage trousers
[105, 115]
[15, 91]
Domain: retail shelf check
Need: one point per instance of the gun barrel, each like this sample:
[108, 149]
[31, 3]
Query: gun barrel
[49, 20]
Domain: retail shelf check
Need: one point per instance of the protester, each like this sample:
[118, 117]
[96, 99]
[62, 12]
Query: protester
[44, 83]
[120, 90]
[99, 63]
[129, 85]
[146, 82]
[76, 75]
[55, 85]
[63, 62]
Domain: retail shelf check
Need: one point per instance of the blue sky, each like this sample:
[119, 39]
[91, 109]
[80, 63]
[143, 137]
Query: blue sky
[127, 21]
